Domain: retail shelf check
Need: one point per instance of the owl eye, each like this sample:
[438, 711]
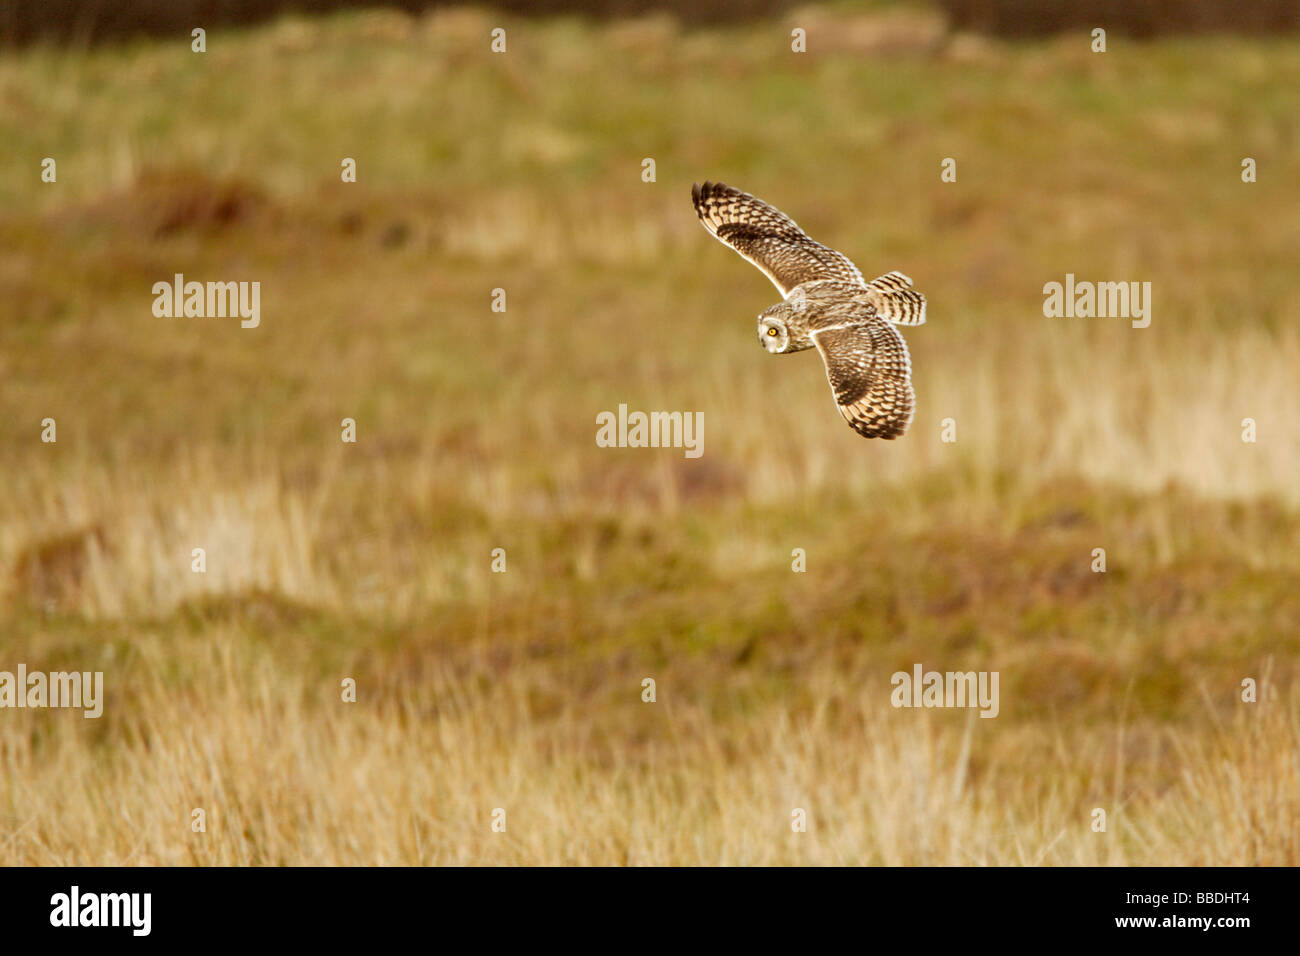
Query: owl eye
[771, 331]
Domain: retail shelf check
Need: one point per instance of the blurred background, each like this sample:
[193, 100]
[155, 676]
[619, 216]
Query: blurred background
[94, 20]
[476, 429]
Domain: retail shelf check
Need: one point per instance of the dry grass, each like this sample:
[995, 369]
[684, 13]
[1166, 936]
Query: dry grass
[522, 690]
[288, 776]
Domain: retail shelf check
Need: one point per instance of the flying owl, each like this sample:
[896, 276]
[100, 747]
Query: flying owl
[828, 304]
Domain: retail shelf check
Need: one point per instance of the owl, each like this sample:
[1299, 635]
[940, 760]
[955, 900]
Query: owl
[826, 304]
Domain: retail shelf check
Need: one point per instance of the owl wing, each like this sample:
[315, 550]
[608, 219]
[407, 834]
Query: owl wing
[768, 238]
[871, 376]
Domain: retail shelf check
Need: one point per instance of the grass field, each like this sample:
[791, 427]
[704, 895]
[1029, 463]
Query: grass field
[523, 691]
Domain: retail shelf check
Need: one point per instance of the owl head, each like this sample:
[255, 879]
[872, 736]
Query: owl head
[784, 328]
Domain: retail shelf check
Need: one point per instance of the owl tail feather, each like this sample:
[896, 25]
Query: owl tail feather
[895, 300]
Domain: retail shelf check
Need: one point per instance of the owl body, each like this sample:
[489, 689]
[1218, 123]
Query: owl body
[827, 304]
[788, 326]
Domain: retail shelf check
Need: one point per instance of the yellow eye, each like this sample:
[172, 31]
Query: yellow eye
[771, 331]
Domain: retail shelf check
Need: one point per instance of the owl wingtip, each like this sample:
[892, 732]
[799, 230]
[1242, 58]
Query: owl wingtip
[708, 189]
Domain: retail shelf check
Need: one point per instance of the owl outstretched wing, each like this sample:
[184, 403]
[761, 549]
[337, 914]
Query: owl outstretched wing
[871, 376]
[769, 238]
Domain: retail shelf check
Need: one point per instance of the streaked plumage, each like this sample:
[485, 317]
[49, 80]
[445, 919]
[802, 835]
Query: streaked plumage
[826, 304]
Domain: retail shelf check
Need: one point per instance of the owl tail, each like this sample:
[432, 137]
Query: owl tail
[895, 300]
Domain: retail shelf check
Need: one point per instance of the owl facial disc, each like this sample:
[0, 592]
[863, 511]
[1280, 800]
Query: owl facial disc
[772, 334]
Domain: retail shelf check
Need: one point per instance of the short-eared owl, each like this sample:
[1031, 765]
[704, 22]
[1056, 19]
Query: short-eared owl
[827, 304]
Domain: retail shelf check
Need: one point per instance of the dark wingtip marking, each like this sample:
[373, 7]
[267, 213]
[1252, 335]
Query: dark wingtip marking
[712, 190]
